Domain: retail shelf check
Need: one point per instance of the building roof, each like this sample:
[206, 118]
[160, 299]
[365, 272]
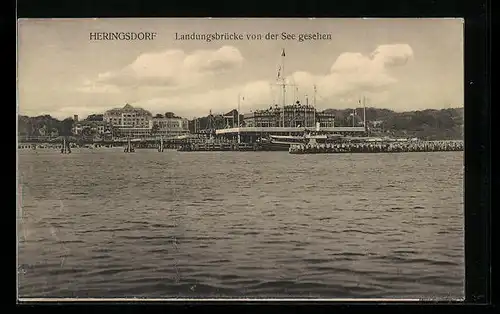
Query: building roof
[168, 118]
[128, 108]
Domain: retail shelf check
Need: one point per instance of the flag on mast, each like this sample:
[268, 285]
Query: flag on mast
[283, 52]
[279, 71]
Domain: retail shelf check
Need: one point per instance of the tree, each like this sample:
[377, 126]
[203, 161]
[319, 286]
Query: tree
[66, 127]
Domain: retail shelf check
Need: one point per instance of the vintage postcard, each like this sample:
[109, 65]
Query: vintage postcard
[317, 159]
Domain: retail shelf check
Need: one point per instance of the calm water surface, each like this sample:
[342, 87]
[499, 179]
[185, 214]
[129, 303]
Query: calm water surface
[101, 223]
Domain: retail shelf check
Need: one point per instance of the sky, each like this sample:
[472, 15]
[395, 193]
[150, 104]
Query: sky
[399, 64]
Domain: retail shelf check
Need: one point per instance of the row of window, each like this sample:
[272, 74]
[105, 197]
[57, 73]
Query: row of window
[131, 115]
[169, 125]
[264, 124]
[128, 120]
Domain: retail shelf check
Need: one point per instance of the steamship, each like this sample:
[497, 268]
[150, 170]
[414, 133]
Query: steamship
[283, 142]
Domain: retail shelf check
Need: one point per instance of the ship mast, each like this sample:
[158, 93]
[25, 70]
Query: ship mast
[364, 112]
[210, 124]
[354, 115]
[239, 135]
[271, 90]
[283, 79]
[63, 150]
[306, 106]
[314, 106]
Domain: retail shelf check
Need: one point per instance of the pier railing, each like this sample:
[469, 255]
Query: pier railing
[26, 138]
[287, 129]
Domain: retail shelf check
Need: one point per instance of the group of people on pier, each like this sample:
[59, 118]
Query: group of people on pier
[413, 146]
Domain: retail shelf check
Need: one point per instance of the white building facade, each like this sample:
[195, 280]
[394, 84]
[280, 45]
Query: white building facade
[170, 125]
[130, 121]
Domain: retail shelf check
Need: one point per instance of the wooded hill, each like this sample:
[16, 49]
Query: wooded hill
[426, 124]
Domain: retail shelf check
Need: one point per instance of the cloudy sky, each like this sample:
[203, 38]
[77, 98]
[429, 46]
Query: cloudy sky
[400, 64]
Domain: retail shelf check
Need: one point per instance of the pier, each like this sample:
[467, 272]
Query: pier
[393, 147]
[251, 134]
[217, 145]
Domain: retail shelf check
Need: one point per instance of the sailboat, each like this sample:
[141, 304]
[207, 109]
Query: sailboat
[65, 149]
[129, 148]
[160, 147]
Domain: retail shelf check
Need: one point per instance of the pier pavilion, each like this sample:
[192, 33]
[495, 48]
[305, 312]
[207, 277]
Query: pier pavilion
[251, 134]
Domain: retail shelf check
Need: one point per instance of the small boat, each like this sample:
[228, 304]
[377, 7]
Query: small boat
[161, 146]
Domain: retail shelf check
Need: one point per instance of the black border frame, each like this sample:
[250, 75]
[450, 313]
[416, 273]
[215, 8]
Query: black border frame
[477, 107]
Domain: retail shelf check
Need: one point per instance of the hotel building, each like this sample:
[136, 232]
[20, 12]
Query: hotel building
[170, 125]
[92, 127]
[130, 121]
[293, 116]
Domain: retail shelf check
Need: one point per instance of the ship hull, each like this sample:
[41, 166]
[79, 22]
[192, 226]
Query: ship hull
[282, 147]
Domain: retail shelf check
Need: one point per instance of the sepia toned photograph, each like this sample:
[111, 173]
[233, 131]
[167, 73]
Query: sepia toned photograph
[255, 159]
